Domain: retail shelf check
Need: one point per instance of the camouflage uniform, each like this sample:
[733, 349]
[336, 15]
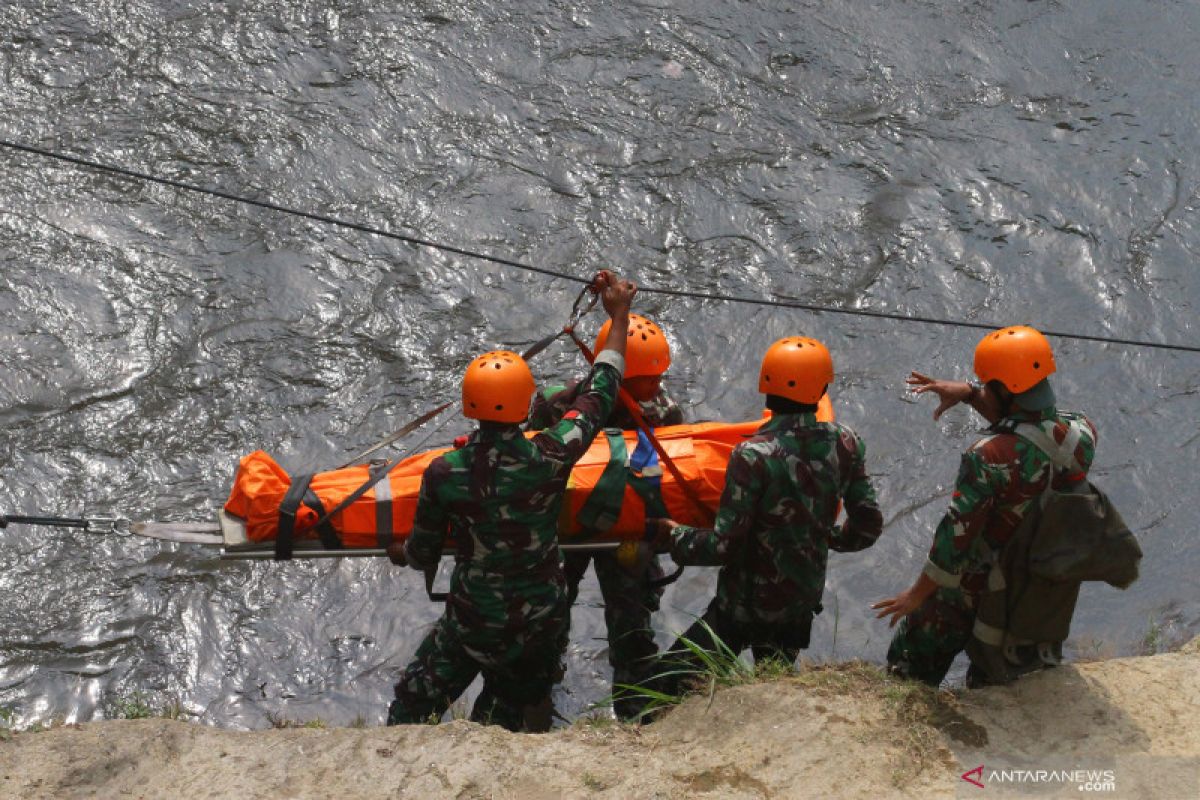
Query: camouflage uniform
[629, 598]
[498, 497]
[999, 478]
[773, 533]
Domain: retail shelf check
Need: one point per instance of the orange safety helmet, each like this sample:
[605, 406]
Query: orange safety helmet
[798, 368]
[646, 351]
[497, 387]
[1017, 356]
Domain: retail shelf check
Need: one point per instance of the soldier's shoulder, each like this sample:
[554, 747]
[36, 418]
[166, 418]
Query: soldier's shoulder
[996, 448]
[448, 462]
[1078, 417]
[844, 432]
[438, 476]
[847, 442]
[755, 448]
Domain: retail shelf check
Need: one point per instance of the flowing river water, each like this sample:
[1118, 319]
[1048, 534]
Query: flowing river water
[1003, 161]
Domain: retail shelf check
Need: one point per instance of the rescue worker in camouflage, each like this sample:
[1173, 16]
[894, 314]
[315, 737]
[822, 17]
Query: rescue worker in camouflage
[999, 479]
[498, 496]
[777, 519]
[629, 593]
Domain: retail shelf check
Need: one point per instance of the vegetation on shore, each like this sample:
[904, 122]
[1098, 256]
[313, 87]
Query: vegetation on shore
[922, 714]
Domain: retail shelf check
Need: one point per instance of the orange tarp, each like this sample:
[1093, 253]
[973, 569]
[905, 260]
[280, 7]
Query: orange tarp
[700, 451]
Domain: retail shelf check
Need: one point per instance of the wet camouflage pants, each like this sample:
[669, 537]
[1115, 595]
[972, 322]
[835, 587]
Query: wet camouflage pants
[765, 640]
[629, 600]
[928, 639]
[517, 678]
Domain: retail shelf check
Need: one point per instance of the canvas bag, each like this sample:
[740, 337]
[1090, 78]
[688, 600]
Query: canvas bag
[1070, 535]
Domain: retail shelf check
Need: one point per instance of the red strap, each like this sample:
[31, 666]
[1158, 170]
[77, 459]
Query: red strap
[639, 419]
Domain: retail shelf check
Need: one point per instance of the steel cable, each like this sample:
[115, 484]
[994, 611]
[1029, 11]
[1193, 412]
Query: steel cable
[418, 241]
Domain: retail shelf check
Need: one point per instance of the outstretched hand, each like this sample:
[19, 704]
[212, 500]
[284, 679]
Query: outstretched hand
[897, 607]
[906, 602]
[950, 393]
[616, 293]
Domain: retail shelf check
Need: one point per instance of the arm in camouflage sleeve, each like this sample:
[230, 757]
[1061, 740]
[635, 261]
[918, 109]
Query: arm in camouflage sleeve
[714, 547]
[567, 440]
[571, 436]
[963, 523]
[864, 521]
[428, 538]
[549, 404]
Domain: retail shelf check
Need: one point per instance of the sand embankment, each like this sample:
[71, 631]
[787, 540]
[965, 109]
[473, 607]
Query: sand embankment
[841, 733]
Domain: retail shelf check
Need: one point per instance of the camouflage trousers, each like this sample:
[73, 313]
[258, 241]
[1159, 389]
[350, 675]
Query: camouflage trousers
[629, 600]
[518, 671]
[927, 640]
[782, 640]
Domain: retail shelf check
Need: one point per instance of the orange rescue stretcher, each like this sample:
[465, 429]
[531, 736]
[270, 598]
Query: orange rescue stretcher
[385, 513]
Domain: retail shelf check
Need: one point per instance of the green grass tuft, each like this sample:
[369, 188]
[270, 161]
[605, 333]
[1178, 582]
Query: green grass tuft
[134, 706]
[702, 671]
[593, 783]
[278, 720]
[140, 706]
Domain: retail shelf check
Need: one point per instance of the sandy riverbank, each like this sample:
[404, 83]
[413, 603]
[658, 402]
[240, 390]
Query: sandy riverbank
[840, 733]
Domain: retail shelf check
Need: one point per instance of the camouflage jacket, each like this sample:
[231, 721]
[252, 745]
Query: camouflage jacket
[498, 496]
[777, 518]
[553, 401]
[999, 478]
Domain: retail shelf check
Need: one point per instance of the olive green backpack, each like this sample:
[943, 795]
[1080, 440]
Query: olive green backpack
[1069, 535]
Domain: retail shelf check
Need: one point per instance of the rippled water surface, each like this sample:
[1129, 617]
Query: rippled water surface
[1002, 161]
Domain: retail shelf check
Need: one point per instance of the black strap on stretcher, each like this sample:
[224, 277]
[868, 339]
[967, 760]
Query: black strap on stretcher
[299, 494]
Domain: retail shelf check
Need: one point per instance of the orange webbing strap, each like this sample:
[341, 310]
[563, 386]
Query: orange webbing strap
[639, 419]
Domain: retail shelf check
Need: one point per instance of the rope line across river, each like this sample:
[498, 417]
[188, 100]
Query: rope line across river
[695, 295]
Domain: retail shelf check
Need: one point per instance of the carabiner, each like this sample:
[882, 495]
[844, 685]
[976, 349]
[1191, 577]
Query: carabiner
[579, 308]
